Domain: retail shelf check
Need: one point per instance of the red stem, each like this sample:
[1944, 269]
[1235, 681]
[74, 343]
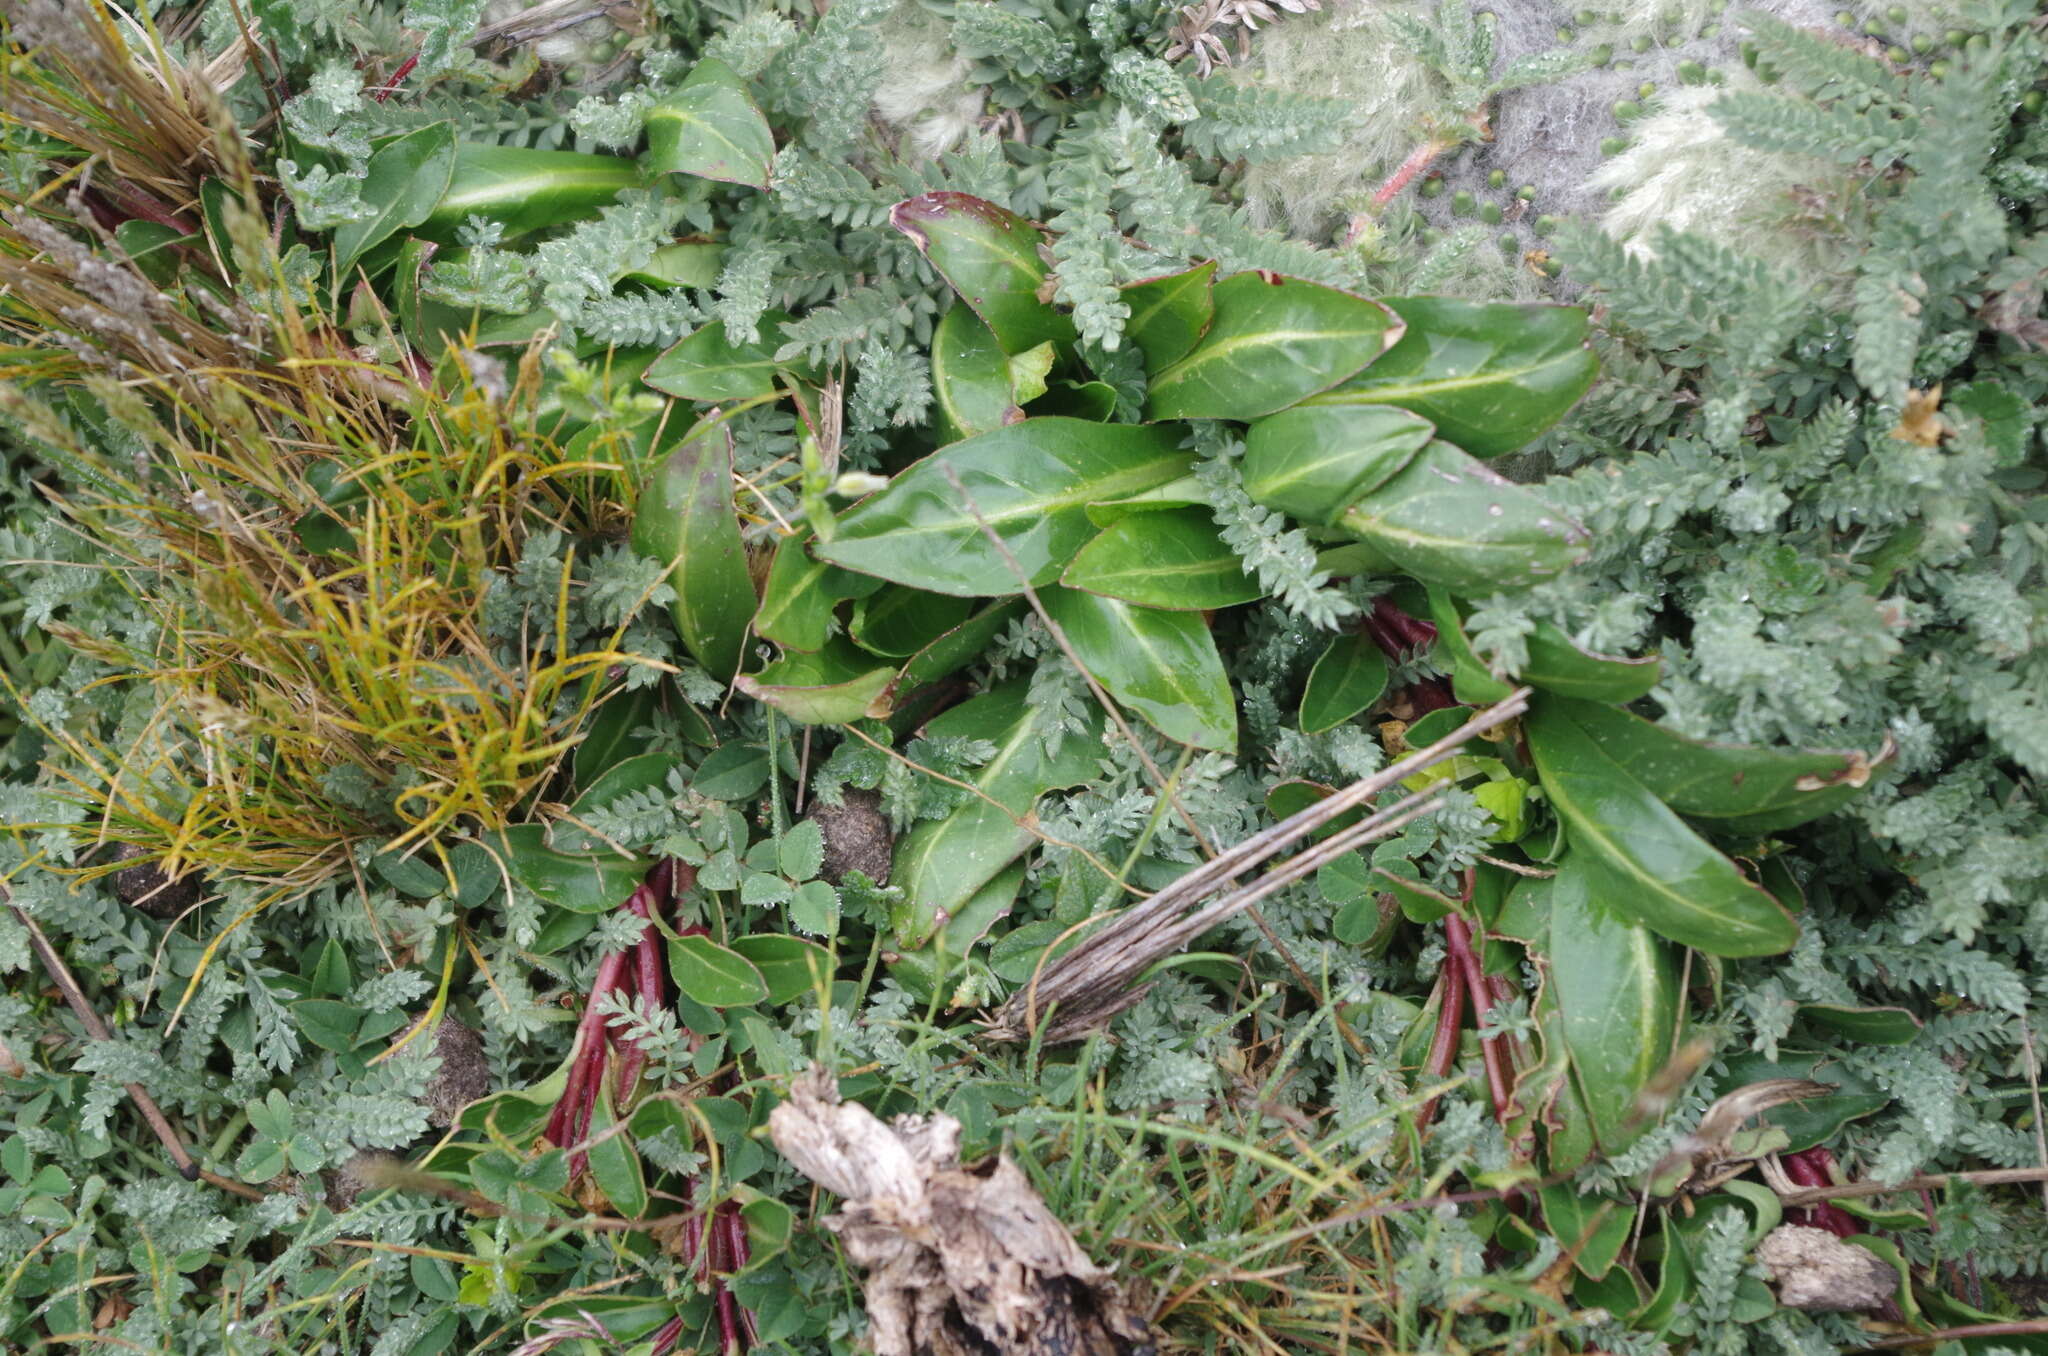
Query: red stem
[1404, 174]
[1459, 936]
[1443, 1045]
[1815, 1168]
[588, 1052]
[667, 1335]
[390, 87]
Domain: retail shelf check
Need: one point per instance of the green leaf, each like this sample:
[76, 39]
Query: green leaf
[704, 365]
[991, 257]
[1185, 492]
[835, 685]
[814, 908]
[941, 864]
[526, 189]
[1555, 663]
[1639, 857]
[614, 1166]
[405, 179]
[714, 975]
[959, 646]
[1348, 677]
[1490, 376]
[800, 594]
[608, 738]
[582, 882]
[1174, 558]
[800, 852]
[1593, 1229]
[1163, 665]
[1618, 999]
[731, 772]
[262, 1160]
[1865, 1025]
[1732, 788]
[1314, 462]
[1170, 314]
[691, 264]
[1030, 482]
[152, 246]
[897, 621]
[971, 378]
[710, 128]
[1448, 520]
[685, 517]
[1273, 341]
[789, 966]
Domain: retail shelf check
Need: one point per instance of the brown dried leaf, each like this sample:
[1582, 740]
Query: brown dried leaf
[960, 1259]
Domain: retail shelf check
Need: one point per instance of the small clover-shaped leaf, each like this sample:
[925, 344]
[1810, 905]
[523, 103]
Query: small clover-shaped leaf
[802, 850]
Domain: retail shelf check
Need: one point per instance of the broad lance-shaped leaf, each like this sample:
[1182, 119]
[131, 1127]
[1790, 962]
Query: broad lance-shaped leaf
[1490, 376]
[1448, 520]
[525, 189]
[1273, 341]
[942, 864]
[403, 182]
[897, 621]
[800, 593]
[1555, 663]
[971, 381]
[1163, 665]
[1030, 482]
[1618, 994]
[685, 518]
[991, 257]
[1639, 857]
[1169, 314]
[1173, 558]
[710, 128]
[835, 685]
[1350, 676]
[1314, 463]
[1731, 788]
[706, 365]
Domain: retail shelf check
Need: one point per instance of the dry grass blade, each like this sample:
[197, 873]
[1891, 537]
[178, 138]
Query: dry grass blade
[1091, 983]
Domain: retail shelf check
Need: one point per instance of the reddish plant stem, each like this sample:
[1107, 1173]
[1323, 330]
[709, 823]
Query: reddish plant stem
[390, 87]
[1404, 173]
[1398, 635]
[1443, 1044]
[666, 1336]
[588, 1052]
[1815, 1168]
[1458, 935]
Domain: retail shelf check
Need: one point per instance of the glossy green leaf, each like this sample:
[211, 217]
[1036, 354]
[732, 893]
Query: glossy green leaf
[1866, 1026]
[1489, 375]
[153, 247]
[732, 771]
[1592, 1228]
[800, 593]
[716, 976]
[959, 646]
[1273, 341]
[1555, 663]
[608, 736]
[1618, 999]
[710, 127]
[1549, 1091]
[685, 517]
[1031, 483]
[1286, 799]
[1186, 492]
[1314, 462]
[631, 776]
[1170, 314]
[1448, 520]
[1640, 859]
[1732, 788]
[526, 189]
[406, 178]
[942, 864]
[1161, 664]
[583, 882]
[834, 685]
[789, 966]
[972, 384]
[614, 1165]
[692, 263]
[991, 257]
[705, 365]
[1174, 558]
[898, 621]
[1349, 676]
